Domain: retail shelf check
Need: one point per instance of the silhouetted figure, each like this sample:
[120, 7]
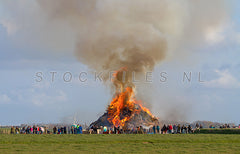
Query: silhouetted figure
[54, 130]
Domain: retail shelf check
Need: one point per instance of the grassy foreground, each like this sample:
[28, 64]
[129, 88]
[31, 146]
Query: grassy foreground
[134, 143]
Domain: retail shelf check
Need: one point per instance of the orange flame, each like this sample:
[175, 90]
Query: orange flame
[124, 106]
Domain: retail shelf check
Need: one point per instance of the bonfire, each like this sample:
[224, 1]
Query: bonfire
[124, 110]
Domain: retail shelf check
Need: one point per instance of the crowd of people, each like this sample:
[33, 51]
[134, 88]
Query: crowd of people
[74, 129]
[29, 130]
[156, 129]
[78, 129]
[225, 126]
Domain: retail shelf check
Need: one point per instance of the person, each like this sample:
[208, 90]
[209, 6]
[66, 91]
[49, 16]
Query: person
[65, 130]
[23, 131]
[158, 129]
[183, 130]
[228, 126]
[34, 130]
[91, 129]
[62, 130]
[59, 130]
[38, 129]
[72, 130]
[28, 130]
[75, 130]
[121, 129]
[95, 129]
[141, 129]
[174, 129]
[170, 129]
[189, 129]
[42, 130]
[17, 130]
[101, 130]
[179, 129]
[114, 129]
[154, 130]
[54, 130]
[197, 126]
[104, 129]
[12, 130]
[164, 129]
[80, 129]
[31, 129]
[46, 130]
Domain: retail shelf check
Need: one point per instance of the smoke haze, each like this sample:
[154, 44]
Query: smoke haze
[135, 34]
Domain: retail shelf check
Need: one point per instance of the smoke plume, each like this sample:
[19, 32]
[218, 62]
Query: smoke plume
[135, 34]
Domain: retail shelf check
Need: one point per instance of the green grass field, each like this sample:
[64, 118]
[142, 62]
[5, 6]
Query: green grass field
[134, 143]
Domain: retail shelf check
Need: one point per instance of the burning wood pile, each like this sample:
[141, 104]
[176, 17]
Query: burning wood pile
[125, 110]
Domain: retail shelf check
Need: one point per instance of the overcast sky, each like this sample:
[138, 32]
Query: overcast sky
[23, 100]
